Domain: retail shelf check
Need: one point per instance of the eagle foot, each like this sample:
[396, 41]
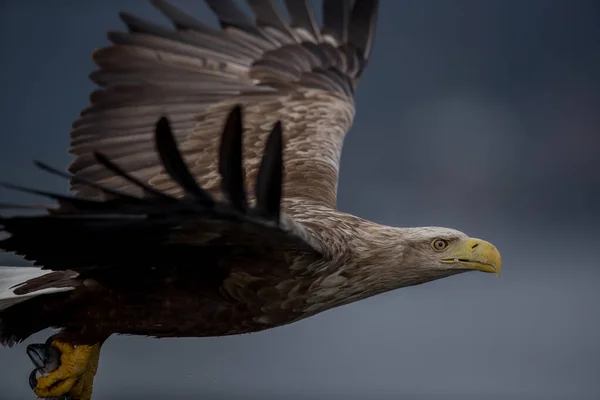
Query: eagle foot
[67, 371]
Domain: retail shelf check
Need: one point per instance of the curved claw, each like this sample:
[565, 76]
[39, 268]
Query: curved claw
[65, 370]
[33, 379]
[37, 354]
[33, 384]
[45, 357]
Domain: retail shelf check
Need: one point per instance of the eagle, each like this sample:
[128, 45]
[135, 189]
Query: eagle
[204, 186]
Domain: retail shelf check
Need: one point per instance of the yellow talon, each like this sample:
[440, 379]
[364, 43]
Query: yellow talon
[74, 376]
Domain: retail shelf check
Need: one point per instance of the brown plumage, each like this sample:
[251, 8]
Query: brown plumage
[162, 265]
[277, 71]
[198, 225]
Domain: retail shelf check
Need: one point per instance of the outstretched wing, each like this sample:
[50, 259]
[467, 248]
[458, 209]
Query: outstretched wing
[277, 70]
[158, 232]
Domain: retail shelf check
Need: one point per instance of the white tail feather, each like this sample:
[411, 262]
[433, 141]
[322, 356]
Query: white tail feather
[11, 277]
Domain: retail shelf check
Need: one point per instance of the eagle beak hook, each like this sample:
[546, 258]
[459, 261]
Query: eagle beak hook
[477, 255]
[485, 255]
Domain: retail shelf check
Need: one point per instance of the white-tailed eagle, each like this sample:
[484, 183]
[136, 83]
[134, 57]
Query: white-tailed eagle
[204, 179]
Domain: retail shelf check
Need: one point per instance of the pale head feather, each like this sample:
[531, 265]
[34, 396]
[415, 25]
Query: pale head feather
[384, 258]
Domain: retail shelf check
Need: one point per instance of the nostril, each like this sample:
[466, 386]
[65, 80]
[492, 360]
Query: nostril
[474, 246]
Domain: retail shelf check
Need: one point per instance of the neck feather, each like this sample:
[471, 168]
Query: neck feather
[375, 260]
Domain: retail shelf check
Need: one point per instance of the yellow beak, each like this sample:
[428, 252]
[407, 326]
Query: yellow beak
[476, 254]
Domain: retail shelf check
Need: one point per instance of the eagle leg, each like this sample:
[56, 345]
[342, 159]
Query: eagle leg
[74, 377]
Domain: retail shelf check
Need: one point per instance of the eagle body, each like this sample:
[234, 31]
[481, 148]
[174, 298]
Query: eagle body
[227, 293]
[204, 191]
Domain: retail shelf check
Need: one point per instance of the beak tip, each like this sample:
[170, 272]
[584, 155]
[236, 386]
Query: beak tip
[485, 255]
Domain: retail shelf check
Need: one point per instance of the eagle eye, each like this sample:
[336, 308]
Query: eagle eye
[439, 244]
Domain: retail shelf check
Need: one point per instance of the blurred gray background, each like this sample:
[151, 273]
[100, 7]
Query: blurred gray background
[478, 115]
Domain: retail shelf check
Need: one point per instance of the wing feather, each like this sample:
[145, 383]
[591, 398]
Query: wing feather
[268, 15]
[156, 230]
[180, 19]
[270, 177]
[231, 163]
[336, 17]
[293, 72]
[303, 19]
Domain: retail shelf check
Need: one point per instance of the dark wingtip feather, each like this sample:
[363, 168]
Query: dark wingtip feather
[133, 23]
[336, 18]
[302, 16]
[24, 189]
[6, 339]
[75, 179]
[180, 18]
[363, 23]
[11, 206]
[175, 166]
[78, 180]
[230, 160]
[65, 202]
[114, 168]
[270, 176]
[138, 25]
[268, 14]
[45, 167]
[229, 14]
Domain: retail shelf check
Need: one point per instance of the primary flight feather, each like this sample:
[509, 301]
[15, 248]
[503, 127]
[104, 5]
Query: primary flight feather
[205, 179]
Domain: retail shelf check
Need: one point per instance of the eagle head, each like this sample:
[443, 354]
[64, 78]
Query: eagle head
[449, 251]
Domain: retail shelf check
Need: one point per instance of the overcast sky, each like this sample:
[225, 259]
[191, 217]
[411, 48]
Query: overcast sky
[478, 115]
